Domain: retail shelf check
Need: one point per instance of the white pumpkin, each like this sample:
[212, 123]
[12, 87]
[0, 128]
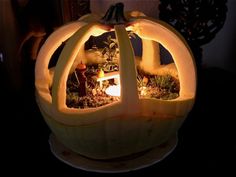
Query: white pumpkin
[132, 124]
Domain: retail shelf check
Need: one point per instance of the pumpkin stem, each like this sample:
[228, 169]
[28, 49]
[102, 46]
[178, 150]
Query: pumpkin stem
[114, 15]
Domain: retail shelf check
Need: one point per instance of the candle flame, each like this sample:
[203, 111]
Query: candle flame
[101, 73]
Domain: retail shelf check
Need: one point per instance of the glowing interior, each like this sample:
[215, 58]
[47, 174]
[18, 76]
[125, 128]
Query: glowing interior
[150, 32]
[113, 90]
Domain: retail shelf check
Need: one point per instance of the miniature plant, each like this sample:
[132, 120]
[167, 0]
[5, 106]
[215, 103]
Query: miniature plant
[165, 82]
[142, 82]
[110, 53]
[168, 86]
[111, 50]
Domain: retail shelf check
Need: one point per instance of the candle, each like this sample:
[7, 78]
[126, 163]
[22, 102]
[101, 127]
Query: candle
[100, 75]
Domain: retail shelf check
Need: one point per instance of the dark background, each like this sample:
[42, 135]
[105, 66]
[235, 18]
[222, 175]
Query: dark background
[207, 139]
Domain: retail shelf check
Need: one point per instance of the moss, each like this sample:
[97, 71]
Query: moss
[163, 87]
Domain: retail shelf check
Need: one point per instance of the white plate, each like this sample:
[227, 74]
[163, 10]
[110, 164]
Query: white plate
[131, 163]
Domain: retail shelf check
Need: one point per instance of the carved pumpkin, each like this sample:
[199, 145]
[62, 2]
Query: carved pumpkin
[132, 124]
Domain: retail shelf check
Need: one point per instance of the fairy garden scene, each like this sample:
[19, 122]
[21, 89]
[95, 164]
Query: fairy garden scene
[95, 81]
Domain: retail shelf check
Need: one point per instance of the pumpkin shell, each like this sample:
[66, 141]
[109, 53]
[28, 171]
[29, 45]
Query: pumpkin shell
[113, 130]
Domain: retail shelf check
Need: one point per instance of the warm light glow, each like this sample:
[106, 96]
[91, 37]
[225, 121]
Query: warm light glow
[100, 73]
[143, 91]
[113, 90]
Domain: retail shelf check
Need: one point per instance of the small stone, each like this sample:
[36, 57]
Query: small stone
[145, 80]
[94, 92]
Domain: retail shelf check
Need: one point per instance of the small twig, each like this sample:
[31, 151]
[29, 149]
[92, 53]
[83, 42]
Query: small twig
[77, 78]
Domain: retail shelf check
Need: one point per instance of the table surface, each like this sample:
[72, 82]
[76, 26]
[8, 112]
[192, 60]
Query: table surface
[207, 139]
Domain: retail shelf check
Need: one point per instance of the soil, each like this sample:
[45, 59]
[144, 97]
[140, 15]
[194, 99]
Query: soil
[149, 86]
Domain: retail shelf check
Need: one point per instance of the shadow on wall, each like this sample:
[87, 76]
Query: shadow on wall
[25, 25]
[198, 21]
[220, 52]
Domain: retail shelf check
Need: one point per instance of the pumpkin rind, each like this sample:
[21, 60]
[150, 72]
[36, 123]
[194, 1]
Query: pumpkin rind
[116, 136]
